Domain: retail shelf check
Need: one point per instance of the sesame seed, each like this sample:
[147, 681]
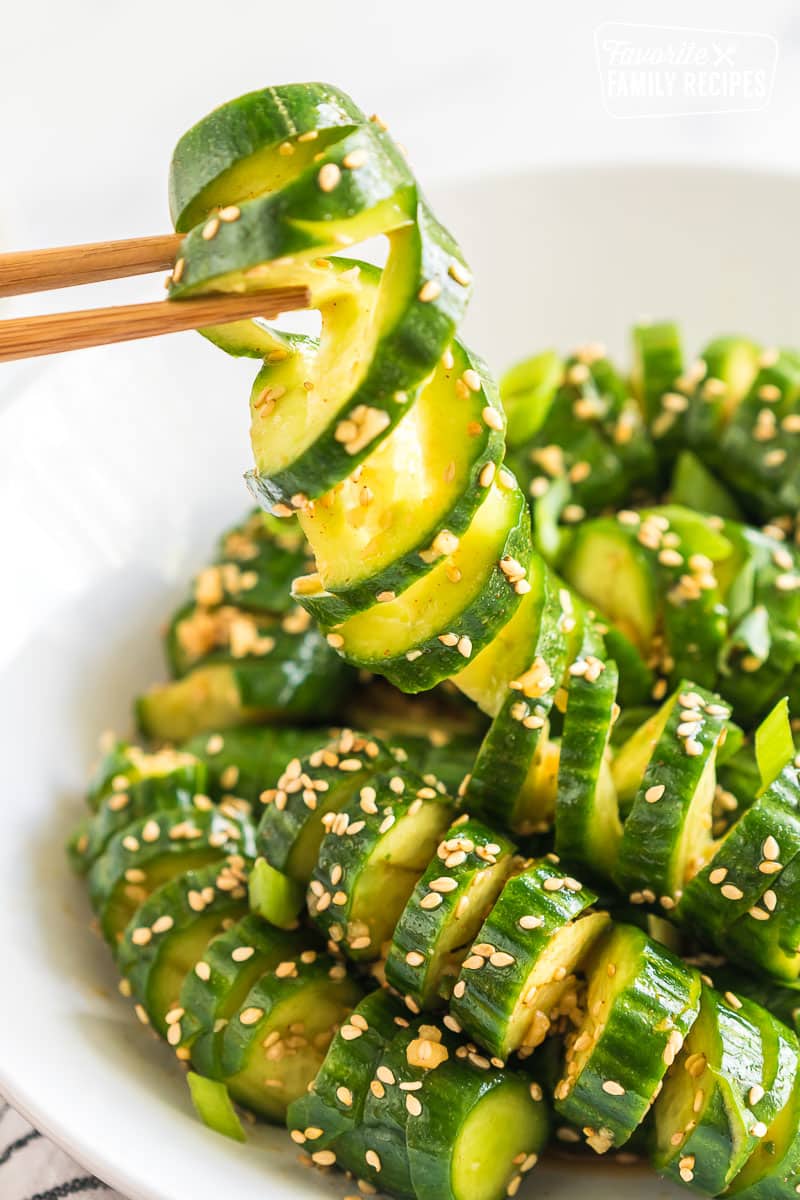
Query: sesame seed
[429, 291]
[372, 1159]
[431, 900]
[731, 892]
[770, 849]
[413, 1106]
[324, 1158]
[211, 229]
[329, 177]
[612, 1088]
[732, 1000]
[251, 1016]
[203, 971]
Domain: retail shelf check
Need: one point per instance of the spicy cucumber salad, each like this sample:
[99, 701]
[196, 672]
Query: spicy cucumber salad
[468, 820]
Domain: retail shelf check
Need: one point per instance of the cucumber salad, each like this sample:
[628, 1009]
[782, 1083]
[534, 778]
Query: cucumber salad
[553, 901]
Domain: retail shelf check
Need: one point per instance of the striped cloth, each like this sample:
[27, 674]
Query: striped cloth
[32, 1168]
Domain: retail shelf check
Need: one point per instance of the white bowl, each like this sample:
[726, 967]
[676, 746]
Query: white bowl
[117, 469]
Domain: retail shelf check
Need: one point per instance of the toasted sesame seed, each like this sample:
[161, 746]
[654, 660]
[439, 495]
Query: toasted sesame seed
[654, 793]
[731, 892]
[329, 177]
[612, 1088]
[429, 291]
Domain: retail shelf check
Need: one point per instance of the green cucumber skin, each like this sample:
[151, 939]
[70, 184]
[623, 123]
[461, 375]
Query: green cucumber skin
[448, 1096]
[124, 760]
[146, 796]
[661, 999]
[281, 828]
[481, 620]
[240, 128]
[485, 1005]
[584, 835]
[651, 832]
[241, 1041]
[351, 1065]
[275, 556]
[775, 813]
[354, 854]
[508, 748]
[137, 963]
[752, 1050]
[659, 363]
[332, 608]
[420, 929]
[206, 1001]
[255, 755]
[229, 835]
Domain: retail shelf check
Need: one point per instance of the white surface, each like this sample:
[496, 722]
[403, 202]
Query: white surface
[118, 467]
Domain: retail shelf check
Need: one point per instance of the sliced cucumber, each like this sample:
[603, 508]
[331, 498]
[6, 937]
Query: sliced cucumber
[154, 850]
[219, 980]
[334, 1106]
[730, 1080]
[370, 859]
[520, 976]
[244, 761]
[275, 1042]
[667, 833]
[169, 932]
[293, 824]
[445, 911]
[213, 1106]
[588, 828]
[658, 363]
[640, 1004]
[123, 765]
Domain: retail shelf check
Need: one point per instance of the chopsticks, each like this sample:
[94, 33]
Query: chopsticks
[29, 271]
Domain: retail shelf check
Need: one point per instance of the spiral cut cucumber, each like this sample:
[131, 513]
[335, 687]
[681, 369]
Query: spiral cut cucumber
[614, 618]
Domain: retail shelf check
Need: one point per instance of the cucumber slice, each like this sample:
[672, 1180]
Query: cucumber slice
[588, 828]
[334, 1106]
[183, 787]
[221, 978]
[274, 896]
[731, 1079]
[748, 863]
[609, 567]
[479, 1132]
[640, 1004]
[772, 1172]
[370, 859]
[657, 364]
[393, 520]
[169, 932]
[503, 781]
[667, 833]
[527, 391]
[213, 1106]
[274, 1044]
[445, 911]
[293, 825]
[299, 679]
[421, 637]
[245, 760]
[520, 976]
[256, 564]
[123, 766]
[693, 486]
[152, 851]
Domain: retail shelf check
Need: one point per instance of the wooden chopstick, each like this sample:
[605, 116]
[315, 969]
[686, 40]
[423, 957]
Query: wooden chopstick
[29, 337]
[26, 271]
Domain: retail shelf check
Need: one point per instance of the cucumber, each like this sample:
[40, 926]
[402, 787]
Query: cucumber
[295, 1008]
[124, 765]
[423, 635]
[183, 788]
[527, 391]
[300, 679]
[445, 911]
[169, 932]
[733, 1076]
[214, 1108]
[748, 863]
[293, 824]
[219, 980]
[479, 1133]
[640, 1004]
[334, 1105]
[256, 564]
[502, 784]
[588, 828]
[667, 833]
[245, 760]
[154, 850]
[772, 1172]
[274, 896]
[370, 859]
[520, 975]
[657, 364]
